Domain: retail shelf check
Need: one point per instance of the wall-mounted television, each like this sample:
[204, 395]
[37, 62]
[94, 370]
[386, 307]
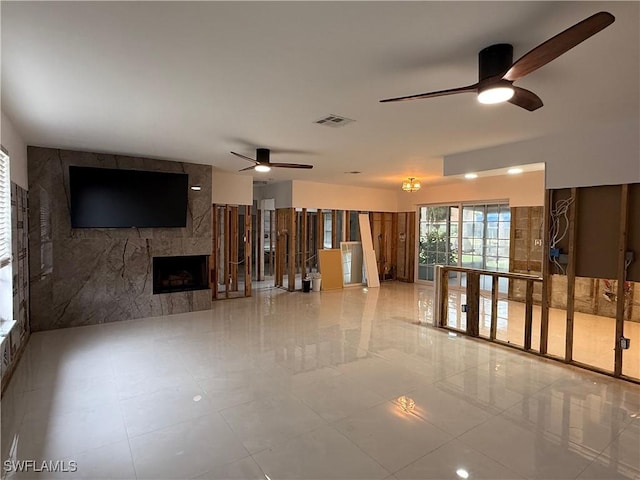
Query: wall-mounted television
[114, 198]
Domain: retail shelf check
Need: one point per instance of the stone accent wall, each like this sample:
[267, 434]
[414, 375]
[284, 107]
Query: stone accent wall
[92, 276]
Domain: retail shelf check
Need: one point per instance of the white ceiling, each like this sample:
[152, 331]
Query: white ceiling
[192, 81]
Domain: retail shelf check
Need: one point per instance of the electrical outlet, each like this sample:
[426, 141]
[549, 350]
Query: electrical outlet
[537, 242]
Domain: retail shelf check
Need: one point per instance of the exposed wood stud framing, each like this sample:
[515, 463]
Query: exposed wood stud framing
[247, 251]
[494, 307]
[571, 275]
[292, 249]
[334, 229]
[528, 315]
[304, 243]
[473, 303]
[546, 284]
[213, 263]
[621, 276]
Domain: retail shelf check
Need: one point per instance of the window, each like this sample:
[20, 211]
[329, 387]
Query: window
[5, 211]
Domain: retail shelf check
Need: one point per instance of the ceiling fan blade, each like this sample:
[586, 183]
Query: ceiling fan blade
[244, 157]
[252, 167]
[556, 46]
[440, 93]
[525, 99]
[290, 165]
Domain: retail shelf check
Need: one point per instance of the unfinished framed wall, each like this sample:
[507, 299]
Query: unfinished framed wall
[300, 233]
[592, 277]
[230, 262]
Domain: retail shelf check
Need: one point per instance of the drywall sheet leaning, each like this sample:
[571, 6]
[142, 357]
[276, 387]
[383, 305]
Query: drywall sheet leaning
[370, 264]
[330, 263]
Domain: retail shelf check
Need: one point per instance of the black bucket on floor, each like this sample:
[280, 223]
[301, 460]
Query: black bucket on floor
[306, 285]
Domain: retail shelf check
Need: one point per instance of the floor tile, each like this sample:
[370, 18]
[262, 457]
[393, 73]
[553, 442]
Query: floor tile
[186, 450]
[271, 420]
[391, 436]
[168, 406]
[337, 397]
[243, 469]
[322, 453]
[453, 411]
[456, 460]
[529, 453]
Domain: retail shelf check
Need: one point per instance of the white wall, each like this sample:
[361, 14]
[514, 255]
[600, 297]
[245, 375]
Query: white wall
[343, 197]
[231, 189]
[606, 155]
[526, 189]
[12, 141]
[280, 192]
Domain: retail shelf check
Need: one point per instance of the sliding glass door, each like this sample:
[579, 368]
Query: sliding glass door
[466, 235]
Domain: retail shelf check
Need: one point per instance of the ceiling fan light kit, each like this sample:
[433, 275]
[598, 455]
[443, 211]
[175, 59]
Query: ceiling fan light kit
[263, 164]
[497, 71]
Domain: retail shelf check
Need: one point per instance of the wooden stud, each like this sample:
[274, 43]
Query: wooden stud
[247, 251]
[334, 229]
[410, 250]
[546, 284]
[292, 249]
[304, 241]
[571, 274]
[394, 245]
[272, 240]
[512, 250]
[234, 250]
[494, 306]
[528, 315]
[444, 297]
[319, 232]
[383, 246]
[225, 270]
[213, 263]
[621, 277]
[259, 241]
[473, 303]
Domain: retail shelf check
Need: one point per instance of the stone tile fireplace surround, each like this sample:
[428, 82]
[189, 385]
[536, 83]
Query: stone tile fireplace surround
[99, 275]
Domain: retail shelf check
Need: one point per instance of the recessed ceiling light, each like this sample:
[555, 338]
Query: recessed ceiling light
[197, 188]
[514, 171]
[471, 175]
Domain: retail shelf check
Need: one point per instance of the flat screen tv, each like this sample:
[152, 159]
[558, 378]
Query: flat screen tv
[110, 198]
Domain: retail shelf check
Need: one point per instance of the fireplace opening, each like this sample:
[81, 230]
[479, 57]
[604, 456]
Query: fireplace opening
[180, 274]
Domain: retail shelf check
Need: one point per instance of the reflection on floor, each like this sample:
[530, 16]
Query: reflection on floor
[308, 386]
[593, 336]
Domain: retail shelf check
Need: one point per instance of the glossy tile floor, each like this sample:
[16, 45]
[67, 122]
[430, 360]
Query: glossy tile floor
[308, 386]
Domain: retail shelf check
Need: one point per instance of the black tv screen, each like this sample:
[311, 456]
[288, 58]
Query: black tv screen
[109, 198]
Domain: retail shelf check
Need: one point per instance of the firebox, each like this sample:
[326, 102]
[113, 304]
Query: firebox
[180, 274]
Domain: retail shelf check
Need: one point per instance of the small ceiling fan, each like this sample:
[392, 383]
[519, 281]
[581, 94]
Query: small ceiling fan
[262, 163]
[497, 71]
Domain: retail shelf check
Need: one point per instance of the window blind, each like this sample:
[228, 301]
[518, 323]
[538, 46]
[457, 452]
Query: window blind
[5, 211]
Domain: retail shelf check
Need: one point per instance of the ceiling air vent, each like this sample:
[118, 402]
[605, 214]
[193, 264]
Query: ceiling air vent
[334, 121]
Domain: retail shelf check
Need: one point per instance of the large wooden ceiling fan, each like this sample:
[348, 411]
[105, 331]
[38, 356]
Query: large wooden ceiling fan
[262, 162]
[497, 71]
